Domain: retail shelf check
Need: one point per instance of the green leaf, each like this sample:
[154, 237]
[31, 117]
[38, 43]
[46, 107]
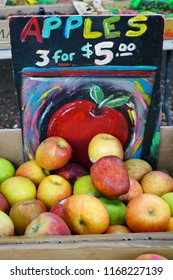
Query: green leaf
[120, 101]
[97, 94]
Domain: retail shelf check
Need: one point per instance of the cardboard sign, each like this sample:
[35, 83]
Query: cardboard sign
[77, 76]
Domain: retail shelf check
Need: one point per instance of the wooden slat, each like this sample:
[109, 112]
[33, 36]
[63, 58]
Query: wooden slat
[100, 247]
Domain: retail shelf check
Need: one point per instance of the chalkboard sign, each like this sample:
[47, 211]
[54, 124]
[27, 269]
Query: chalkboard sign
[77, 76]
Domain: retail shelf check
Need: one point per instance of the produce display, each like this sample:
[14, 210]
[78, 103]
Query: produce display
[52, 196]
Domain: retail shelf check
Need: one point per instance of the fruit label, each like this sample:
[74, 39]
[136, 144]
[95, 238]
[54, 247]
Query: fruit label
[77, 76]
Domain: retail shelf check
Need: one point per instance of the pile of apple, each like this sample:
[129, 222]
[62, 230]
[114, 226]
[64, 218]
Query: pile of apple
[51, 195]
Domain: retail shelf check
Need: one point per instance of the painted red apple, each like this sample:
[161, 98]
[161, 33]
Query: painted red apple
[80, 120]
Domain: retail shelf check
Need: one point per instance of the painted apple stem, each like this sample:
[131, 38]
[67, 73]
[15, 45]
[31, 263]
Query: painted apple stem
[103, 103]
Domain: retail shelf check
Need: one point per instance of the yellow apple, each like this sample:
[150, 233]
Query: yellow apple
[31, 170]
[157, 182]
[6, 225]
[104, 144]
[53, 153]
[21, 213]
[52, 189]
[85, 214]
[17, 189]
[137, 168]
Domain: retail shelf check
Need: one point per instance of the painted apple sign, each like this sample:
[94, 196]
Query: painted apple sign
[77, 76]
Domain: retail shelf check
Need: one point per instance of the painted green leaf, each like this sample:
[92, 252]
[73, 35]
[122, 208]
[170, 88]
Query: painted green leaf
[117, 102]
[155, 144]
[97, 94]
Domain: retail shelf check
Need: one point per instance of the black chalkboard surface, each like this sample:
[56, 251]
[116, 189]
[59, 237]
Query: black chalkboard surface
[77, 76]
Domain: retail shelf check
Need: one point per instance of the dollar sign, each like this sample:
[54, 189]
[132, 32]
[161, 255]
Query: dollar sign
[86, 49]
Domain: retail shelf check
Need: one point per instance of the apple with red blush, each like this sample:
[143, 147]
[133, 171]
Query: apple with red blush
[134, 190]
[31, 170]
[110, 177]
[4, 205]
[47, 224]
[23, 212]
[6, 225]
[58, 208]
[53, 153]
[85, 214]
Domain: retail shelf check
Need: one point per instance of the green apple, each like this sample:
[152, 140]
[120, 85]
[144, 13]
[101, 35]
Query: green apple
[7, 169]
[168, 198]
[116, 210]
[85, 185]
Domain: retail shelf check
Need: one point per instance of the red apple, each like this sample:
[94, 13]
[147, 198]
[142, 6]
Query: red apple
[147, 213]
[71, 172]
[151, 257]
[22, 213]
[134, 190]
[104, 144]
[118, 229]
[47, 224]
[6, 225]
[137, 168]
[53, 189]
[157, 182]
[31, 170]
[85, 214]
[4, 205]
[53, 153]
[58, 208]
[110, 177]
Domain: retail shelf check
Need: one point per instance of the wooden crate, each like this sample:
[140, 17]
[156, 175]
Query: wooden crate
[86, 247]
